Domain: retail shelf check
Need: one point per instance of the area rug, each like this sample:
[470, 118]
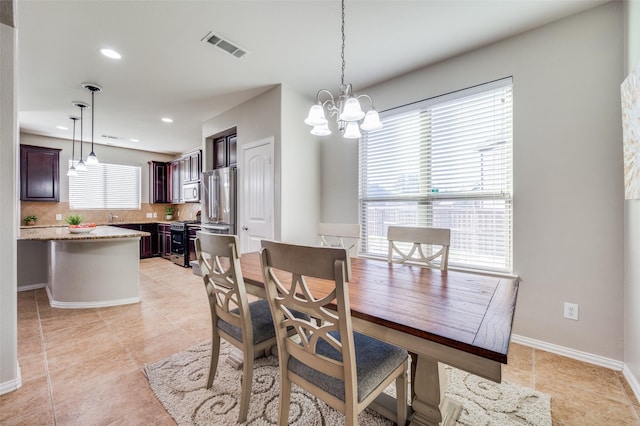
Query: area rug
[179, 383]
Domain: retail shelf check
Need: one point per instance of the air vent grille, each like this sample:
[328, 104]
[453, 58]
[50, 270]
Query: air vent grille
[229, 47]
[110, 137]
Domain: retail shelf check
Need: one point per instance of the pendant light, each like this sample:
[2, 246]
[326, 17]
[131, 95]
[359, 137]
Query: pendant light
[72, 170]
[346, 108]
[92, 159]
[81, 166]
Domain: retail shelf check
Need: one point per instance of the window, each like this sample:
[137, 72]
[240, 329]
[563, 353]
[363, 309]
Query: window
[105, 186]
[444, 162]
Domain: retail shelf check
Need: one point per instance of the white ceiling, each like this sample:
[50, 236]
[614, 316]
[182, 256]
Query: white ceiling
[166, 70]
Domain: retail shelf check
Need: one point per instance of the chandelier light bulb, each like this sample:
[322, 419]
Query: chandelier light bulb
[352, 131]
[316, 116]
[81, 166]
[92, 160]
[371, 121]
[321, 130]
[352, 111]
[72, 171]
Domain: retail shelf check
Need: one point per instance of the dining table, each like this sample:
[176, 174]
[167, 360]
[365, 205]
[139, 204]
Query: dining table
[454, 318]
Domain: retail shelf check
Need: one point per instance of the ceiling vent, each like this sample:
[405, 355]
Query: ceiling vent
[225, 45]
[110, 137]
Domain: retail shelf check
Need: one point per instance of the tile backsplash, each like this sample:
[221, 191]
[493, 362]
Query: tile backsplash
[46, 213]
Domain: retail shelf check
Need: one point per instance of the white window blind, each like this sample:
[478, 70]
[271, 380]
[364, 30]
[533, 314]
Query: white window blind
[444, 162]
[105, 186]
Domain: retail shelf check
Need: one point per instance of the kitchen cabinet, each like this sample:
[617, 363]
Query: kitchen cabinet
[225, 151]
[164, 240]
[148, 245]
[192, 166]
[158, 182]
[175, 182]
[39, 173]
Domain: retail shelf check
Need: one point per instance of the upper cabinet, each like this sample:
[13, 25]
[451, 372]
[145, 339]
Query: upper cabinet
[158, 181]
[39, 173]
[167, 180]
[225, 151]
[192, 166]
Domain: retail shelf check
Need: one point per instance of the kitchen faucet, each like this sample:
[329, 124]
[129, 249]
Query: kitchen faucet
[111, 217]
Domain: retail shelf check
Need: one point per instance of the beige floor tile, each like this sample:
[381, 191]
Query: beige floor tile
[106, 402]
[28, 327]
[77, 379]
[161, 346]
[587, 409]
[151, 414]
[32, 394]
[37, 416]
[53, 319]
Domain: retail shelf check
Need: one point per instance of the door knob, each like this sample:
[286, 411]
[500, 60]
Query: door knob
[244, 228]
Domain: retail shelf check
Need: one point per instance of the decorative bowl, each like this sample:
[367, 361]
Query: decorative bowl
[81, 229]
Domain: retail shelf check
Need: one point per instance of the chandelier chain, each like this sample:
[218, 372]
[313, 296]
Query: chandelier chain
[342, 55]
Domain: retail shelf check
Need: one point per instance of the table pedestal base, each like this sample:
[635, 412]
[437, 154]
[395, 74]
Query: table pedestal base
[430, 406]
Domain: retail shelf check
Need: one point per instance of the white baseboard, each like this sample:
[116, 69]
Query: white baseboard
[569, 353]
[86, 305]
[11, 385]
[633, 382]
[31, 286]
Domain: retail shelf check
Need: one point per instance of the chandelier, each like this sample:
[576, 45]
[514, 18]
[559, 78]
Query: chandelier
[92, 159]
[80, 166]
[346, 108]
[72, 170]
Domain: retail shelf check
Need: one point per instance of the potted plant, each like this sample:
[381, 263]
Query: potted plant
[168, 213]
[30, 220]
[74, 219]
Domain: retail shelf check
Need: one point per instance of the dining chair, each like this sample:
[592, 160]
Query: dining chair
[247, 326]
[345, 235]
[345, 369]
[419, 236]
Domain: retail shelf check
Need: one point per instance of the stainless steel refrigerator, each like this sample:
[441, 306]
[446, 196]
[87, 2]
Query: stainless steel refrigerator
[218, 213]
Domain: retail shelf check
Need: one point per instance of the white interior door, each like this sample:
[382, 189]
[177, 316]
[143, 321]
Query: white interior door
[256, 222]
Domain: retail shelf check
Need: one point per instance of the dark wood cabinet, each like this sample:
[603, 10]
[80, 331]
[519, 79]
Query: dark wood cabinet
[164, 240]
[225, 151]
[39, 173]
[193, 166]
[175, 182]
[158, 182]
[148, 245]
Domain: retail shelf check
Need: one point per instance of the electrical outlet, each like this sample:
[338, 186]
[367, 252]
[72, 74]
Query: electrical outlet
[155, 214]
[58, 216]
[148, 215]
[571, 311]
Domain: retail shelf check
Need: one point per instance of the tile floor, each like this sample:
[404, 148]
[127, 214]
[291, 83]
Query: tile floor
[85, 367]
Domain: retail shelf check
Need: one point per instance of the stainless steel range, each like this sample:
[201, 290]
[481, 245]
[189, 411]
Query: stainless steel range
[180, 242]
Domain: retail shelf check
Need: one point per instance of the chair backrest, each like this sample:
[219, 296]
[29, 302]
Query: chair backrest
[344, 235]
[417, 236]
[219, 261]
[288, 271]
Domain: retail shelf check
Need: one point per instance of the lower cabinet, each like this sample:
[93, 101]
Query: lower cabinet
[164, 240]
[148, 245]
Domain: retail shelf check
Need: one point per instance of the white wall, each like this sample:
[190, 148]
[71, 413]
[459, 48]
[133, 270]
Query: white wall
[9, 374]
[632, 220]
[568, 207]
[264, 116]
[105, 154]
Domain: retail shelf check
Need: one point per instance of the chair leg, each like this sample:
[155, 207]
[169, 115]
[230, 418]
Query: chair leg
[401, 397]
[285, 398]
[247, 381]
[215, 354]
[414, 362]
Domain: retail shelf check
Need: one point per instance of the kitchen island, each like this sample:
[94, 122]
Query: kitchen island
[90, 270]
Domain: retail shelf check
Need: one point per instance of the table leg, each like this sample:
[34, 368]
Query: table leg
[430, 406]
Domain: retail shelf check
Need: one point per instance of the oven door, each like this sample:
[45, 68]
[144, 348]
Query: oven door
[177, 242]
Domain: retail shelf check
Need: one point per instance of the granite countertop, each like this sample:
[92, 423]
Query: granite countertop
[62, 233]
[134, 222]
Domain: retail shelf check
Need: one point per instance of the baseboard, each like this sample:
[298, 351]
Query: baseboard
[31, 287]
[570, 353]
[633, 382]
[11, 385]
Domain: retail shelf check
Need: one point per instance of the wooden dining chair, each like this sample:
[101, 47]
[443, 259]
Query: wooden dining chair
[418, 236]
[247, 326]
[345, 235]
[345, 369]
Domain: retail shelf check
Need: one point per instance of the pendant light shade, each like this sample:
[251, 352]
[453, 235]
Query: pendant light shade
[92, 159]
[371, 121]
[81, 166]
[72, 170]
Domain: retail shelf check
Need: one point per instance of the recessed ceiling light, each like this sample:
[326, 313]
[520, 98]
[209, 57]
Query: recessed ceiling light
[167, 120]
[110, 53]
[134, 140]
[62, 128]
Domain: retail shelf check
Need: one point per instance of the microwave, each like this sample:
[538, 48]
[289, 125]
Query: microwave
[191, 192]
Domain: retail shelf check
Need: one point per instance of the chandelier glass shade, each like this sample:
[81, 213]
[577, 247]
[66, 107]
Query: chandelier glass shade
[346, 108]
[81, 166]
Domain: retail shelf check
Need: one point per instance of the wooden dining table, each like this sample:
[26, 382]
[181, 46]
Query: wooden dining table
[445, 317]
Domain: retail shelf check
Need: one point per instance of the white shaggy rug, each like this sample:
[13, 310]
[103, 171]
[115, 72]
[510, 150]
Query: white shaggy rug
[179, 383]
